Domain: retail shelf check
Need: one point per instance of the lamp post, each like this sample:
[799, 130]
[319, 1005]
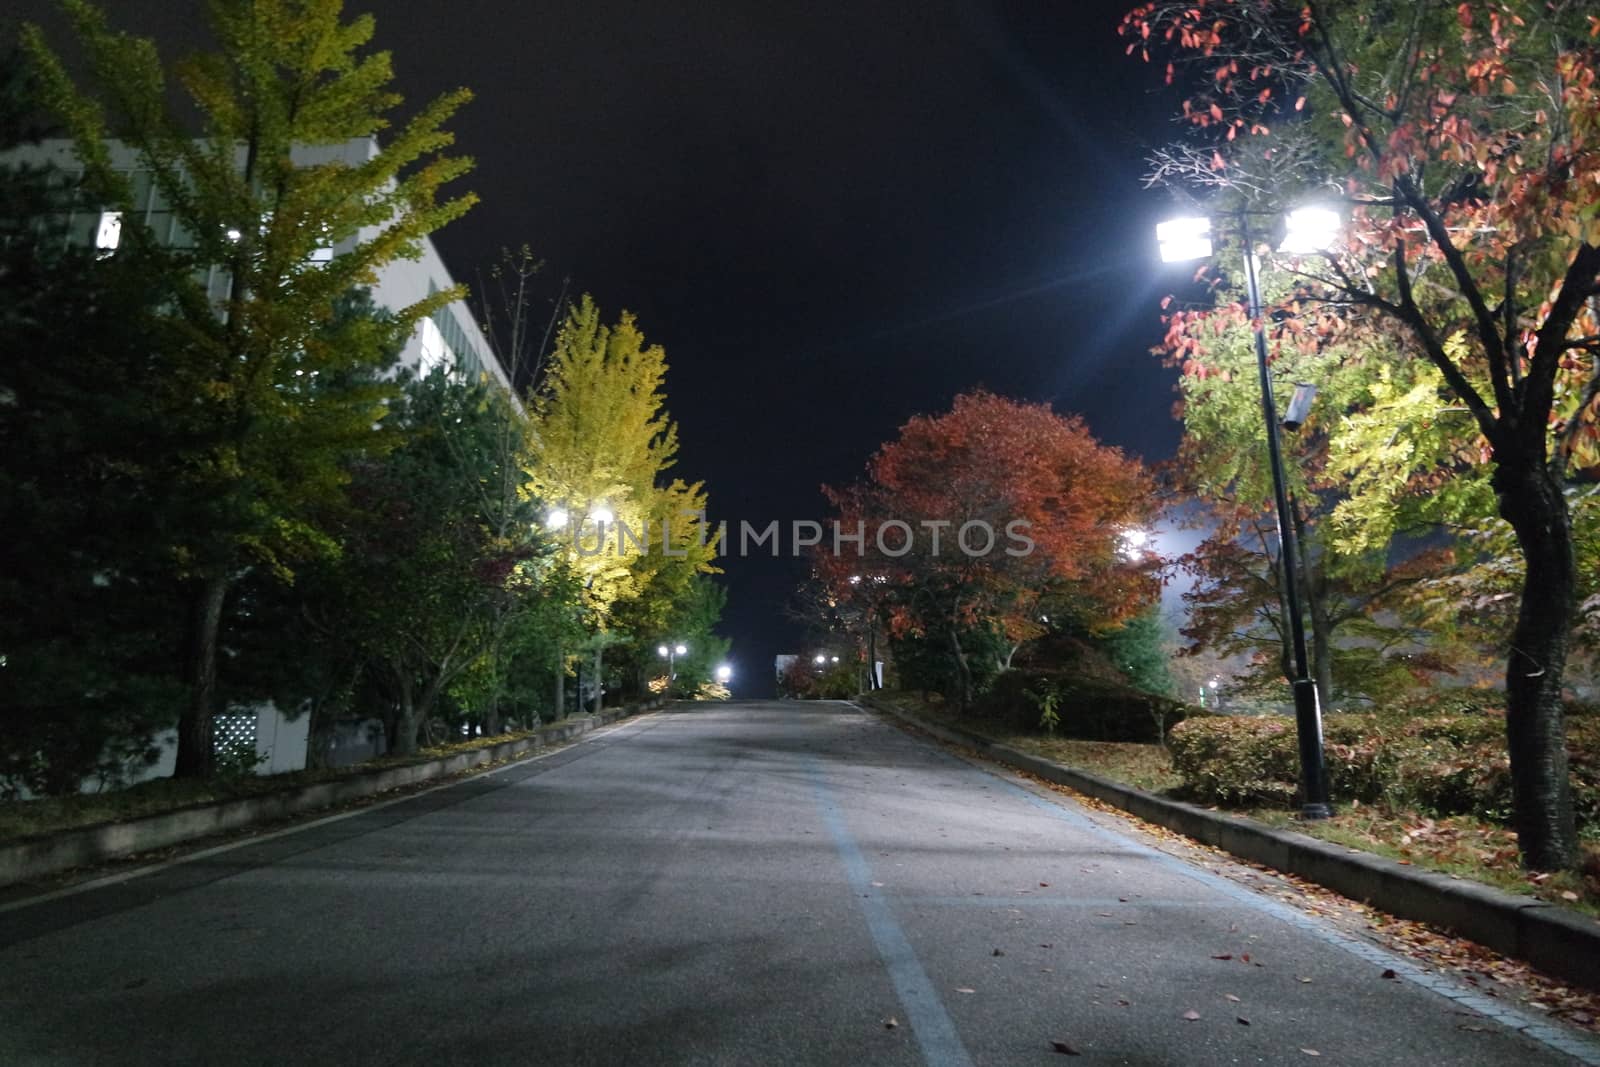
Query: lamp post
[1309, 230]
[671, 654]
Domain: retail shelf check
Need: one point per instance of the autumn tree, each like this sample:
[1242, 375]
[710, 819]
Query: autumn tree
[282, 75]
[602, 444]
[975, 516]
[1464, 143]
[1350, 595]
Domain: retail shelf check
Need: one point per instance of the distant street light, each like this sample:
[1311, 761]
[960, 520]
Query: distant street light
[601, 513]
[558, 519]
[724, 673]
[671, 656]
[1308, 230]
[820, 659]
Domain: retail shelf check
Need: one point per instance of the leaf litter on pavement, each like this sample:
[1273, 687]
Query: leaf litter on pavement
[1484, 970]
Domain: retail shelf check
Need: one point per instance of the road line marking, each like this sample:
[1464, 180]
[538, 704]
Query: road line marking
[256, 839]
[930, 1022]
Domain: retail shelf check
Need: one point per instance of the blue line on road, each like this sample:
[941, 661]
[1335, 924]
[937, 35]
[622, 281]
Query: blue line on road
[930, 1022]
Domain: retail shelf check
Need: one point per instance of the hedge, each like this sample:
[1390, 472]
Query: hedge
[1441, 764]
[1089, 708]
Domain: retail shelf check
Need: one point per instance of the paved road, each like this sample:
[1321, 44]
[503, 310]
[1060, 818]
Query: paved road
[734, 884]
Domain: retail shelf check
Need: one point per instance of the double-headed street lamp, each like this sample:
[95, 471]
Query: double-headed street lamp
[671, 654]
[1308, 230]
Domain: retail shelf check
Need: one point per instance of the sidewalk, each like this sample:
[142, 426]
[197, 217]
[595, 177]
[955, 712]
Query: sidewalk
[1550, 938]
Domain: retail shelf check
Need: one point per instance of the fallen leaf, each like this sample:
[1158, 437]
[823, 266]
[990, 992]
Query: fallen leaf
[1047, 946]
[1473, 1027]
[1123, 1001]
[1044, 885]
[1245, 958]
[1241, 1020]
[1569, 896]
[1224, 956]
[964, 989]
[1064, 1048]
[1230, 996]
[1306, 981]
[1388, 972]
[1311, 1052]
[997, 952]
[877, 885]
[890, 1023]
[1191, 1015]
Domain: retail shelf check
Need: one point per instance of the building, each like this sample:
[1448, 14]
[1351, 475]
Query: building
[449, 337]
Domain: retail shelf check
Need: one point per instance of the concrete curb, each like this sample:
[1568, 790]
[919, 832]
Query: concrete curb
[1553, 939]
[36, 857]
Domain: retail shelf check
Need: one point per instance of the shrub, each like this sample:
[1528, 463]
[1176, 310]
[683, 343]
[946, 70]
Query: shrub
[1086, 708]
[1441, 764]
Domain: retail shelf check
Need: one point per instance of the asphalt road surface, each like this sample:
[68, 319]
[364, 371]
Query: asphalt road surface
[765, 883]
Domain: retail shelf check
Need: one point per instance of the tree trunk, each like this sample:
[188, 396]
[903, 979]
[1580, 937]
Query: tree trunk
[403, 741]
[963, 674]
[599, 678]
[872, 654]
[1321, 639]
[1532, 502]
[561, 685]
[195, 754]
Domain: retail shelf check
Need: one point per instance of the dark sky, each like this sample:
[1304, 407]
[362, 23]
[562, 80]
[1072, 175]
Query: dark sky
[833, 214]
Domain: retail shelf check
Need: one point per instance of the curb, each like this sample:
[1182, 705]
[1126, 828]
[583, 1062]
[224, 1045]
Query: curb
[1550, 938]
[36, 857]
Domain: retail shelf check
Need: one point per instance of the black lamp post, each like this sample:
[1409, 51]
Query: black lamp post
[1309, 230]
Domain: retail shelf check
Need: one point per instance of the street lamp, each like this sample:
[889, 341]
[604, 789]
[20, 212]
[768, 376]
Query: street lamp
[671, 656]
[724, 673]
[1308, 230]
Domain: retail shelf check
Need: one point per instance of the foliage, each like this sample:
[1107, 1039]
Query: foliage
[1049, 505]
[1139, 650]
[1465, 145]
[1441, 763]
[1086, 707]
[262, 460]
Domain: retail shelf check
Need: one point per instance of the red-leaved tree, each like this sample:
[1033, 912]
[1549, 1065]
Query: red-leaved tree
[971, 519]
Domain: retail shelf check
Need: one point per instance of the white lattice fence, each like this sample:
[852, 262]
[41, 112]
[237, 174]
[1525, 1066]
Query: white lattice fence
[234, 734]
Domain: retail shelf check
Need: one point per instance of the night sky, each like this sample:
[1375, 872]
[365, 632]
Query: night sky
[833, 215]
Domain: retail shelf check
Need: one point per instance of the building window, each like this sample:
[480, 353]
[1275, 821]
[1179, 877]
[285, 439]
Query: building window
[435, 353]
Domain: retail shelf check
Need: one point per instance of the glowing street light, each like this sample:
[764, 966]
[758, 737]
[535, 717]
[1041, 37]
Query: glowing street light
[1307, 230]
[821, 659]
[671, 656]
[601, 513]
[724, 673]
[1310, 229]
[557, 519]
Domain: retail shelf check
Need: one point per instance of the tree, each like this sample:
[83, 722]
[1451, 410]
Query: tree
[1349, 593]
[1466, 144]
[601, 446]
[1003, 503]
[423, 585]
[284, 74]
